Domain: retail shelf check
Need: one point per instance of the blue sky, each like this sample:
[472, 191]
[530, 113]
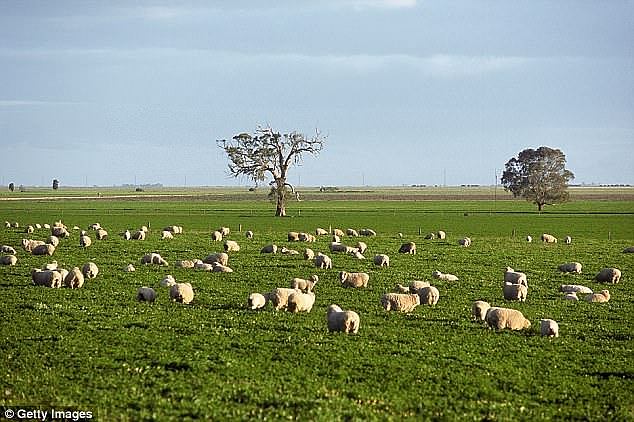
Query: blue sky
[408, 91]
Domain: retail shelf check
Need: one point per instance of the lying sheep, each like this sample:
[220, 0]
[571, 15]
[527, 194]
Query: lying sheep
[168, 281]
[602, 296]
[354, 279]
[352, 232]
[382, 260]
[8, 260]
[399, 288]
[430, 236]
[248, 234]
[575, 288]
[182, 293]
[441, 235]
[216, 236]
[7, 249]
[567, 240]
[279, 297]
[548, 238]
[46, 278]
[146, 294]
[608, 275]
[94, 226]
[515, 277]
[101, 234]
[570, 267]
[337, 247]
[361, 247]
[301, 302]
[231, 246]
[220, 257]
[340, 320]
[90, 270]
[293, 236]
[479, 310]
[129, 268]
[256, 301]
[416, 285]
[199, 265]
[428, 295]
[225, 231]
[269, 249]
[400, 302]
[74, 279]
[357, 254]
[549, 328]
[629, 249]
[154, 258]
[286, 251]
[321, 232]
[138, 235]
[465, 242]
[501, 318]
[44, 249]
[60, 231]
[571, 296]
[323, 261]
[174, 229]
[29, 244]
[166, 235]
[84, 240]
[53, 240]
[217, 267]
[515, 292]
[185, 263]
[307, 237]
[309, 254]
[367, 232]
[445, 277]
[409, 247]
[303, 284]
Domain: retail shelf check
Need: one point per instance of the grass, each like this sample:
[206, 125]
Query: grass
[98, 349]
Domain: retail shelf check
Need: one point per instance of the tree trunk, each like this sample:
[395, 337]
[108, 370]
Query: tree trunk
[280, 209]
[280, 200]
[540, 206]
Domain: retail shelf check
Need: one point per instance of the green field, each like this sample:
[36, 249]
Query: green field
[97, 349]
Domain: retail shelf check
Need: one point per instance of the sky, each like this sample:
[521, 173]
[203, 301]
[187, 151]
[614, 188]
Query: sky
[427, 92]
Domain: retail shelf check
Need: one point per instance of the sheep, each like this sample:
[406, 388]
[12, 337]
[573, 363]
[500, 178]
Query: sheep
[352, 232]
[182, 293]
[94, 226]
[174, 229]
[303, 284]
[336, 239]
[608, 275]
[479, 310]
[7, 225]
[90, 270]
[416, 285]
[549, 328]
[74, 279]
[321, 232]
[367, 232]
[279, 297]
[567, 240]
[323, 261]
[146, 294]
[126, 235]
[143, 229]
[7, 249]
[185, 263]
[465, 242]
[44, 249]
[138, 235]
[309, 254]
[501, 318]
[168, 281]
[570, 267]
[199, 265]
[46, 278]
[269, 249]
[354, 279]
[337, 247]
[400, 302]
[529, 238]
[382, 260]
[29, 244]
[47, 226]
[53, 240]
[548, 238]
[129, 268]
[441, 235]
[216, 236]
[63, 272]
[445, 277]
[602, 296]
[361, 247]
[220, 257]
[571, 296]
[84, 240]
[357, 254]
[515, 292]
[38, 226]
[575, 288]
[248, 234]
[409, 247]
[15, 225]
[231, 246]
[165, 234]
[430, 236]
[301, 302]
[306, 237]
[340, 320]
[428, 295]
[50, 266]
[154, 258]
[515, 277]
[225, 231]
[338, 233]
[101, 234]
[256, 301]
[217, 267]
[60, 231]
[399, 288]
[8, 260]
[293, 236]
[629, 249]
[285, 251]
[29, 229]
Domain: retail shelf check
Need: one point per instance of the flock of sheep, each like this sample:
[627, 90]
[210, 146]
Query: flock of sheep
[300, 295]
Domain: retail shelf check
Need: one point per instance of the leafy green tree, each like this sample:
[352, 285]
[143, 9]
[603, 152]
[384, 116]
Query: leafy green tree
[540, 176]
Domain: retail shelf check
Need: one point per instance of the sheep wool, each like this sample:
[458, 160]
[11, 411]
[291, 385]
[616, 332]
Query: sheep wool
[90, 270]
[231, 246]
[548, 238]
[342, 321]
[601, 297]
[323, 261]
[182, 293]
[217, 267]
[441, 235]
[465, 242]
[570, 267]
[515, 277]
[382, 260]
[428, 295]
[515, 292]
[409, 248]
[354, 279]
[309, 254]
[101, 234]
[549, 328]
[479, 310]
[138, 235]
[84, 240]
[146, 294]
[501, 318]
[154, 258]
[8, 260]
[608, 275]
[575, 288]
[529, 238]
[571, 296]
[29, 244]
[399, 288]
[256, 301]
[567, 240]
[367, 232]
[7, 249]
[305, 285]
[46, 278]
[225, 231]
[301, 302]
[74, 279]
[337, 247]
[293, 236]
[168, 281]
[216, 236]
[185, 264]
[361, 247]
[248, 234]
[220, 258]
[445, 277]
[53, 240]
[129, 268]
[279, 297]
[166, 235]
[44, 249]
[629, 249]
[352, 232]
[400, 302]
[416, 285]
[321, 232]
[338, 233]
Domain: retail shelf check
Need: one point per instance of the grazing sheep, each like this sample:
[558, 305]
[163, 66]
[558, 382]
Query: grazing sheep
[225, 231]
[146, 294]
[571, 296]
[352, 232]
[567, 240]
[382, 260]
[529, 238]
[44, 249]
[549, 328]
[217, 267]
[129, 268]
[220, 257]
[248, 234]
[231, 246]
[126, 235]
[515, 292]
[428, 295]
[548, 238]
[53, 240]
[465, 242]
[199, 265]
[182, 293]
[570, 267]
[479, 310]
[174, 229]
[8, 260]
[416, 285]
[90, 270]
[216, 236]
[101, 234]
[185, 264]
[84, 240]
[340, 320]
[279, 297]
[165, 234]
[338, 233]
[46, 278]
[138, 235]
[301, 302]
[608, 275]
[256, 301]
[515, 277]
[285, 251]
[154, 258]
[309, 254]
[323, 261]
[361, 247]
[354, 279]
[602, 296]
[501, 318]
[409, 247]
[400, 302]
[168, 281]
[337, 247]
[293, 236]
[29, 244]
[399, 288]
[7, 249]
[629, 249]
[303, 284]
[367, 232]
[269, 249]
[575, 288]
[430, 236]
[321, 232]
[74, 279]
[144, 229]
[306, 237]
[441, 235]
[445, 277]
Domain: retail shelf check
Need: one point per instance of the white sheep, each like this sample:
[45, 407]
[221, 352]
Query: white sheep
[126, 235]
[352, 232]
[382, 260]
[409, 248]
[94, 226]
[269, 249]
[602, 296]
[101, 234]
[231, 246]
[7, 249]
[323, 261]
[338, 233]
[515, 277]
[570, 267]
[60, 231]
[168, 281]
[430, 236]
[84, 240]
[217, 267]
[549, 328]
[8, 260]
[216, 236]
[53, 240]
[138, 235]
[29, 244]
[38, 226]
[399, 288]
[548, 238]
[225, 231]
[74, 279]
[501, 318]
[321, 232]
[146, 294]
[428, 295]
[445, 277]
[515, 292]
[309, 254]
[529, 238]
[286, 251]
[301, 302]
[441, 235]
[567, 240]
[166, 235]
[154, 258]
[400, 302]
[361, 247]
[90, 270]
[340, 320]
[354, 279]
[571, 296]
[182, 293]
[185, 263]
[64, 273]
[44, 249]
[256, 301]
[416, 285]
[307, 237]
[357, 254]
[248, 234]
[199, 265]
[46, 278]
[575, 288]
[220, 257]
[336, 239]
[608, 275]
[367, 232]
[337, 247]
[144, 229]
[466, 242]
[279, 297]
[129, 268]
[29, 229]
[293, 236]
[305, 285]
[50, 266]
[479, 310]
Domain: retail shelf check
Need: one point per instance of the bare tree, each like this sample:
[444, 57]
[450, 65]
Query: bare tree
[270, 153]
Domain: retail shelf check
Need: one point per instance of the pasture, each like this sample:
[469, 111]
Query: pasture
[98, 349]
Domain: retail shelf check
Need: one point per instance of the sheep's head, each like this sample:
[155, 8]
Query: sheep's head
[343, 275]
[314, 278]
[606, 293]
[527, 323]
